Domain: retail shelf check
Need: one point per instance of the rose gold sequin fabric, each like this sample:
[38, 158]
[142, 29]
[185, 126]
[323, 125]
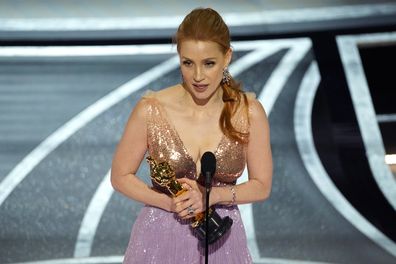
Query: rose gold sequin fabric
[166, 145]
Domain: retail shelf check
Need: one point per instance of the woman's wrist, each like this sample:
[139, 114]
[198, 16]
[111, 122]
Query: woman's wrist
[164, 201]
[233, 195]
[214, 197]
[169, 204]
[223, 195]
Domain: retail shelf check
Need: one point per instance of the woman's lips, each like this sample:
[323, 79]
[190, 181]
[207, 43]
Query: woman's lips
[200, 87]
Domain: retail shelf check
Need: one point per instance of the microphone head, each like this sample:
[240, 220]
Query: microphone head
[208, 163]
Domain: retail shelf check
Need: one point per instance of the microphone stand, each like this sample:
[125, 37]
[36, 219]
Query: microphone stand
[207, 188]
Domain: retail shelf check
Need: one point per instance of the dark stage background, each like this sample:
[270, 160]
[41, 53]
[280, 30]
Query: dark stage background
[71, 71]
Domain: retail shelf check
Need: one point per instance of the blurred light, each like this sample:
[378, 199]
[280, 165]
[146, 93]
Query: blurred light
[390, 159]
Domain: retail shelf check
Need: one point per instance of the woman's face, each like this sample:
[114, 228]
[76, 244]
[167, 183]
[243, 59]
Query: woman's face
[202, 64]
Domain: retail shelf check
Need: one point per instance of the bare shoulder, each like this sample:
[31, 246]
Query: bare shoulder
[256, 109]
[140, 109]
[250, 95]
[152, 98]
[164, 96]
[258, 123]
[169, 99]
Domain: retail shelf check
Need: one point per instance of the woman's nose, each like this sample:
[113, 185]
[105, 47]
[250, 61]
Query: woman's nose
[198, 76]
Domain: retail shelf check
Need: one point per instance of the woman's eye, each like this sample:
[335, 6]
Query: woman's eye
[209, 63]
[187, 63]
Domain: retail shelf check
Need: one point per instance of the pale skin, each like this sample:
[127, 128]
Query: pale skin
[194, 109]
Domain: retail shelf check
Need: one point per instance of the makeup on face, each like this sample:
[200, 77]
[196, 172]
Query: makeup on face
[202, 64]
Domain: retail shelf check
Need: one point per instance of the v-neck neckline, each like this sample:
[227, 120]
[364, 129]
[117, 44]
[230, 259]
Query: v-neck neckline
[173, 127]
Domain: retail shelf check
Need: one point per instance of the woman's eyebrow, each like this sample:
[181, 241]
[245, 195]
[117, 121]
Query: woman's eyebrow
[210, 58]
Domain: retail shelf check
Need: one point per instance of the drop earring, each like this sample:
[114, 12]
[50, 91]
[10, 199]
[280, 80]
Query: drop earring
[226, 77]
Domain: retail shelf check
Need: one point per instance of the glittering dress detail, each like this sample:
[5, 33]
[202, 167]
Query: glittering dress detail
[159, 236]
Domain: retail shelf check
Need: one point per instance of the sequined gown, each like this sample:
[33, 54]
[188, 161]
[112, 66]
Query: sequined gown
[159, 236]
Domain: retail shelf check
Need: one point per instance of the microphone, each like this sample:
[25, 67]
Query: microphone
[213, 227]
[208, 167]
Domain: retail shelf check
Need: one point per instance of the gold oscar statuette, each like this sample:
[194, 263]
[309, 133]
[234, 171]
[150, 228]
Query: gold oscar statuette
[164, 176]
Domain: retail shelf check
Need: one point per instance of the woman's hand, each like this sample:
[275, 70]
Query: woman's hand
[191, 202]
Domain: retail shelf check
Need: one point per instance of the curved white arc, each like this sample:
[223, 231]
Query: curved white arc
[252, 58]
[266, 17]
[99, 202]
[119, 259]
[263, 44]
[82, 51]
[311, 160]
[366, 117]
[281, 74]
[268, 97]
[23, 168]
[92, 218]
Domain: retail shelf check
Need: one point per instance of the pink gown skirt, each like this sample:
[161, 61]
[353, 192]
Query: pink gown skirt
[159, 237]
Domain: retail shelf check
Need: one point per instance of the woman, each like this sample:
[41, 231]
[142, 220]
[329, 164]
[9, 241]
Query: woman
[206, 112]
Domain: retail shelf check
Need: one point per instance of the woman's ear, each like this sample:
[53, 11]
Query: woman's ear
[228, 57]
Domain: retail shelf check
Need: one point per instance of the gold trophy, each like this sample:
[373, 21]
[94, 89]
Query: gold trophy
[164, 177]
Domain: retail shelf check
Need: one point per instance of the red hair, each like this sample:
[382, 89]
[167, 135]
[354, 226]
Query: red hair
[205, 24]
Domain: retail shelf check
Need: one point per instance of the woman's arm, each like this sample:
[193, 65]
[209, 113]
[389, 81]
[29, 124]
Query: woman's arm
[127, 158]
[259, 163]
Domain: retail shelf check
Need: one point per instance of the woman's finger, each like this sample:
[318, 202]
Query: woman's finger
[188, 212]
[191, 183]
[186, 186]
[182, 197]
